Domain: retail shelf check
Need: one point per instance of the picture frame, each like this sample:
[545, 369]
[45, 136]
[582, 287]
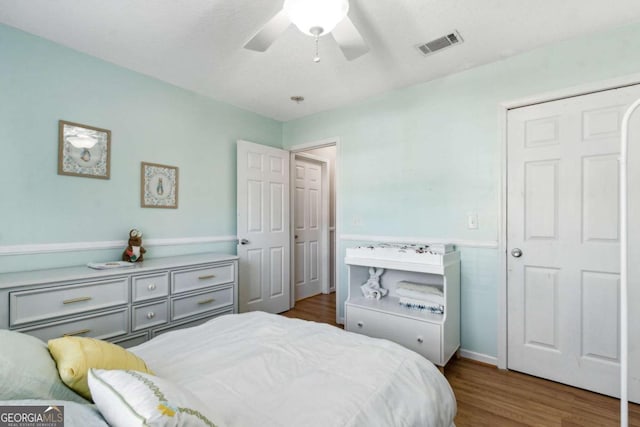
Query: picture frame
[83, 150]
[158, 186]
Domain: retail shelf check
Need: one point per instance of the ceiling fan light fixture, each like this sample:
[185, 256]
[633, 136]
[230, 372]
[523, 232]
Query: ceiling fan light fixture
[316, 17]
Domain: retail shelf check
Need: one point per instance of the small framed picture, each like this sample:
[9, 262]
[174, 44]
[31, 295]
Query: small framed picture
[159, 186]
[83, 150]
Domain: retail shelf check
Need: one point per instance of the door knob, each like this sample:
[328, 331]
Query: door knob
[244, 242]
[516, 252]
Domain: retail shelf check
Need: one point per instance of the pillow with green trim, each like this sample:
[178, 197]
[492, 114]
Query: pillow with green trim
[132, 398]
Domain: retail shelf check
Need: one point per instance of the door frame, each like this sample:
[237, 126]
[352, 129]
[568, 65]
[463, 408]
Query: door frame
[503, 109]
[332, 141]
[324, 220]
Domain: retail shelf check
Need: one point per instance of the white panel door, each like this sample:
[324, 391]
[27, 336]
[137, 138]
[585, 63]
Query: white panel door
[307, 202]
[263, 228]
[563, 196]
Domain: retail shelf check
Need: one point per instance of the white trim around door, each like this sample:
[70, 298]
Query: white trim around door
[338, 221]
[324, 220]
[502, 111]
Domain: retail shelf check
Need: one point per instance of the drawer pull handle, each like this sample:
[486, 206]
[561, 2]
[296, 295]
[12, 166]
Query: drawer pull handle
[80, 332]
[152, 287]
[74, 300]
[360, 324]
[208, 276]
[206, 301]
[151, 315]
[420, 340]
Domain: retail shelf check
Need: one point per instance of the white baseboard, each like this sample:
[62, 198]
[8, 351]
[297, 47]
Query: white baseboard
[479, 357]
[489, 244]
[47, 248]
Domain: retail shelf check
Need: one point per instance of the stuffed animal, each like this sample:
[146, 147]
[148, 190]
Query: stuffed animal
[134, 251]
[372, 288]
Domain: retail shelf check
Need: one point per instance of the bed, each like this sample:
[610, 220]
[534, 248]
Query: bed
[259, 369]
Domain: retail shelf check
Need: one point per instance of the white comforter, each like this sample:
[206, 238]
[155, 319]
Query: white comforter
[259, 369]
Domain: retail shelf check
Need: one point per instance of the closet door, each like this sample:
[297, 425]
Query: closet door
[563, 239]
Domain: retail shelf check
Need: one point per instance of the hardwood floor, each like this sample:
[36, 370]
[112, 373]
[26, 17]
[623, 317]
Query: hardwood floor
[488, 396]
[320, 308]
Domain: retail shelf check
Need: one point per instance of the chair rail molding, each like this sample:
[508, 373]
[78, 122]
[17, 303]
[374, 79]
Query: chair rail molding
[46, 248]
[488, 244]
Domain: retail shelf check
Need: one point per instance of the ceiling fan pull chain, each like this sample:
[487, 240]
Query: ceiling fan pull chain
[316, 58]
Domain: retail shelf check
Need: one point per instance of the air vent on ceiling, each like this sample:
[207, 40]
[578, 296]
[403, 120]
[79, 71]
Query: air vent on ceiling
[444, 42]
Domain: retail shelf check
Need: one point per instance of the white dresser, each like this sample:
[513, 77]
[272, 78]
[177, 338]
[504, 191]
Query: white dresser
[126, 306]
[435, 336]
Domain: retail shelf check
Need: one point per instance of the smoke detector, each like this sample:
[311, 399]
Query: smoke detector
[440, 43]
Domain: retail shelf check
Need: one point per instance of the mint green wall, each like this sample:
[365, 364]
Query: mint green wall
[414, 161]
[42, 82]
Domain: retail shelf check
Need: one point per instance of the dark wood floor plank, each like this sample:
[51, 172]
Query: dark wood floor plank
[320, 308]
[487, 396]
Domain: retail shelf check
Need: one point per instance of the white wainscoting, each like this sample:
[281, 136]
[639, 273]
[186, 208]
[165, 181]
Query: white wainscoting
[489, 244]
[46, 248]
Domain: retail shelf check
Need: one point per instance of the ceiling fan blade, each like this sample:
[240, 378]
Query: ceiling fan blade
[269, 33]
[349, 39]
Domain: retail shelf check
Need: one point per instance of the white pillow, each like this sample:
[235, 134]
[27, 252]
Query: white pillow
[131, 398]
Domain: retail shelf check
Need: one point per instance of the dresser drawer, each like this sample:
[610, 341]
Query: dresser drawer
[148, 287]
[202, 277]
[421, 337]
[201, 303]
[131, 341]
[187, 324]
[41, 304]
[148, 315]
[101, 326]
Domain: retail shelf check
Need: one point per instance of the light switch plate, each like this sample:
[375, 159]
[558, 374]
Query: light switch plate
[472, 221]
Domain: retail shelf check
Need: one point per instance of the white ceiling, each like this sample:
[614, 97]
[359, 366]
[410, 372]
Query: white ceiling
[197, 44]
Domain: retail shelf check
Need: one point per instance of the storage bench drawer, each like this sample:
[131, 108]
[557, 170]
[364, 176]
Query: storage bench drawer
[201, 303]
[421, 337]
[148, 315]
[47, 303]
[148, 287]
[101, 326]
[203, 277]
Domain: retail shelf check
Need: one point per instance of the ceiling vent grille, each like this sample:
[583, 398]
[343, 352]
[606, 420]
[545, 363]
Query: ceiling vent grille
[438, 44]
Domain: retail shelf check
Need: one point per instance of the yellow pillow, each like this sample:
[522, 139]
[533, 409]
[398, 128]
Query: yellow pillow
[74, 357]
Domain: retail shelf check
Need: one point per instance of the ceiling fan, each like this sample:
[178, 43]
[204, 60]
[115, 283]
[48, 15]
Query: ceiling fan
[315, 18]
